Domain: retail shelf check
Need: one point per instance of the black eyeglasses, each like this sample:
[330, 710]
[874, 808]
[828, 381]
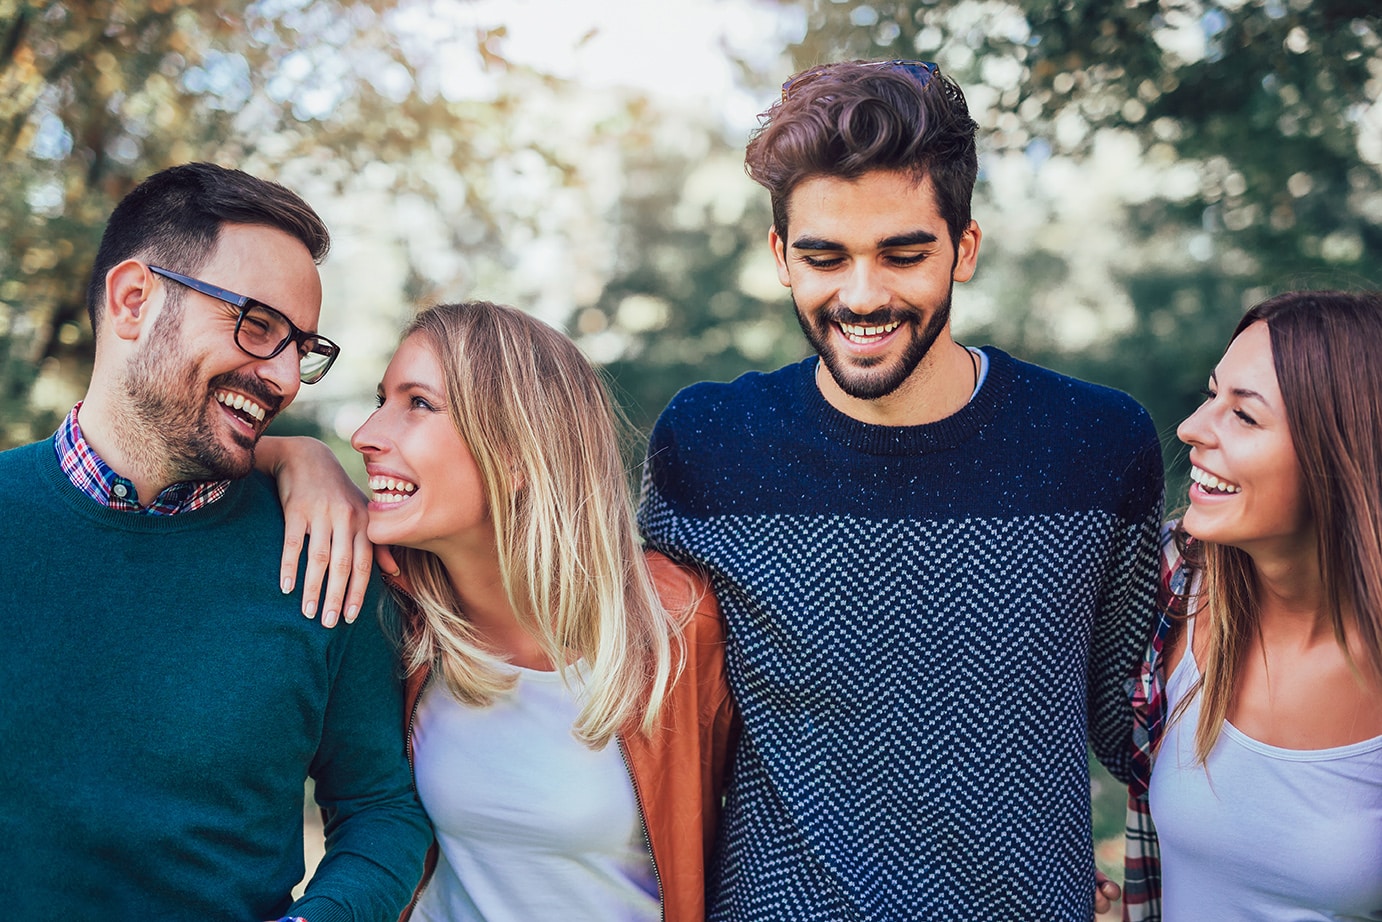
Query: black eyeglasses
[263, 332]
[920, 71]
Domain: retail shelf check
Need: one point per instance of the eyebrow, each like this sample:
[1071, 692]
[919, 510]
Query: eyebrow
[1242, 393]
[909, 239]
[418, 386]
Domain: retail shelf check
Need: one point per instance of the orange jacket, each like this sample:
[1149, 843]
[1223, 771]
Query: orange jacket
[679, 772]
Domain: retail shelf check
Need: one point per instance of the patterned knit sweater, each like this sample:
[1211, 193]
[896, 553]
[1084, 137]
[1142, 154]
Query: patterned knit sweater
[926, 626]
[162, 704]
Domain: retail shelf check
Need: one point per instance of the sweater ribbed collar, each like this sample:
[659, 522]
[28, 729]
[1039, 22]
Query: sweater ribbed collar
[940, 435]
[49, 473]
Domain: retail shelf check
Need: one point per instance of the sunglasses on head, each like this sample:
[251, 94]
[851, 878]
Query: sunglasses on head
[920, 71]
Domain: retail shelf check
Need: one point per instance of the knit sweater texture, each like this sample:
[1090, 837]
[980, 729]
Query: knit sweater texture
[926, 626]
[164, 703]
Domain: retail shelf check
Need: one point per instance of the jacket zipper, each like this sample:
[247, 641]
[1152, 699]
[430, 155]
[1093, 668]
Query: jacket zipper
[647, 837]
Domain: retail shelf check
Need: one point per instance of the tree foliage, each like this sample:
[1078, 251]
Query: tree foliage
[95, 96]
[1249, 131]
[1149, 168]
[1264, 114]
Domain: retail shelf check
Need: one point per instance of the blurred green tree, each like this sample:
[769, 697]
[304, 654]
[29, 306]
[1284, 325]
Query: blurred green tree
[1249, 132]
[94, 96]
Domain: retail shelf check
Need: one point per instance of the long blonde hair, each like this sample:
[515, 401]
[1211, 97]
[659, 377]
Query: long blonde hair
[1324, 349]
[545, 435]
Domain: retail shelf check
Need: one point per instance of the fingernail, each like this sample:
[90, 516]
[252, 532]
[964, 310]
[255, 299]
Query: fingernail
[351, 612]
[329, 619]
[309, 608]
[286, 585]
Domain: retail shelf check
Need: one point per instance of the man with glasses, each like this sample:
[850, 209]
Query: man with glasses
[164, 699]
[936, 562]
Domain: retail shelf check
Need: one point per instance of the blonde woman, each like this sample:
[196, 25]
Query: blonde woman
[1263, 690]
[570, 723]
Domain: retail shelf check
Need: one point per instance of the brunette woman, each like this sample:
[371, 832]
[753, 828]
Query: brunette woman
[1263, 687]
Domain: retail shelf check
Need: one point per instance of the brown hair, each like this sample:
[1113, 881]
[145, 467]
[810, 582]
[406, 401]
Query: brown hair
[175, 216]
[1324, 349]
[845, 120]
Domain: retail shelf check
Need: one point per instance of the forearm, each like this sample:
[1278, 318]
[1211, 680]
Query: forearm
[376, 831]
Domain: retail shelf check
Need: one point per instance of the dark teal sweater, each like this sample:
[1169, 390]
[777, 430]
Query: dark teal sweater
[161, 705]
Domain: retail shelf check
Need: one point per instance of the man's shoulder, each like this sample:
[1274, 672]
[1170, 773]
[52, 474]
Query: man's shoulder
[23, 471]
[23, 454]
[1073, 403]
[751, 391]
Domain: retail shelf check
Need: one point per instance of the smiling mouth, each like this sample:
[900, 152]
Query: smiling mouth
[390, 490]
[1212, 484]
[862, 335]
[242, 406]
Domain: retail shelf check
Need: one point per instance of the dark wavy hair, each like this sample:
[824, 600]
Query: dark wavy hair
[845, 120]
[175, 216]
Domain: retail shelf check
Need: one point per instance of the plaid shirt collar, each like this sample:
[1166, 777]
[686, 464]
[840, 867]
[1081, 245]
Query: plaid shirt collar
[94, 477]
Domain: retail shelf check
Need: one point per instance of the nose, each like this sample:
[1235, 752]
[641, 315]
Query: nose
[366, 440]
[282, 373]
[1195, 430]
[863, 290]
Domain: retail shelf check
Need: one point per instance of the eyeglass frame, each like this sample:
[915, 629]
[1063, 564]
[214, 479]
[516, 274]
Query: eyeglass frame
[244, 304]
[921, 71]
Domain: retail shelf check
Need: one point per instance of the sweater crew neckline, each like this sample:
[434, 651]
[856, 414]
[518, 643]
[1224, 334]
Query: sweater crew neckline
[50, 473]
[940, 435]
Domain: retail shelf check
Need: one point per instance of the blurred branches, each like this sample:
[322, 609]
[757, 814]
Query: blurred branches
[1240, 141]
[344, 93]
[1149, 167]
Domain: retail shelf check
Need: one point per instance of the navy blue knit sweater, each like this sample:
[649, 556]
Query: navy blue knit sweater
[926, 625]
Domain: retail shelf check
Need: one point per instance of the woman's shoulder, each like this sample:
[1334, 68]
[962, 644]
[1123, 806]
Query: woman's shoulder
[685, 591]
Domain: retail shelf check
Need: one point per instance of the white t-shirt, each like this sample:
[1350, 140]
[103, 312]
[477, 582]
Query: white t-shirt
[531, 824]
[1268, 834]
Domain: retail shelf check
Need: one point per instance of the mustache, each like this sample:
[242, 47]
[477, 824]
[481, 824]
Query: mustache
[251, 387]
[841, 314]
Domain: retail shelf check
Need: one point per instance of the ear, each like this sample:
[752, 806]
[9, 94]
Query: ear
[967, 254]
[779, 247]
[129, 291]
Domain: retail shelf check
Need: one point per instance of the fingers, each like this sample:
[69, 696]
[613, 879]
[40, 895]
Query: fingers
[392, 572]
[1106, 893]
[318, 560]
[383, 555]
[294, 531]
[360, 567]
[338, 578]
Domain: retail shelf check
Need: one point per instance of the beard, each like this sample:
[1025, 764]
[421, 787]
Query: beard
[168, 413]
[875, 377]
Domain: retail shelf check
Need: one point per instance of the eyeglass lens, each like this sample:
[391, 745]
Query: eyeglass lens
[263, 331]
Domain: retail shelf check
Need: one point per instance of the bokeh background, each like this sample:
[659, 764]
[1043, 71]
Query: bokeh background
[1149, 168]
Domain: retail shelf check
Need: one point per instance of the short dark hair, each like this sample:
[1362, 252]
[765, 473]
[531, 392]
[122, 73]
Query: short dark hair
[845, 120]
[174, 218]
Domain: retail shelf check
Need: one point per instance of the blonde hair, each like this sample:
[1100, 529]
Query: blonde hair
[546, 437]
[1324, 346]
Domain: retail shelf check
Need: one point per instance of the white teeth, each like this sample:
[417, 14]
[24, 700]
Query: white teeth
[242, 403]
[390, 489]
[1210, 482]
[857, 331]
